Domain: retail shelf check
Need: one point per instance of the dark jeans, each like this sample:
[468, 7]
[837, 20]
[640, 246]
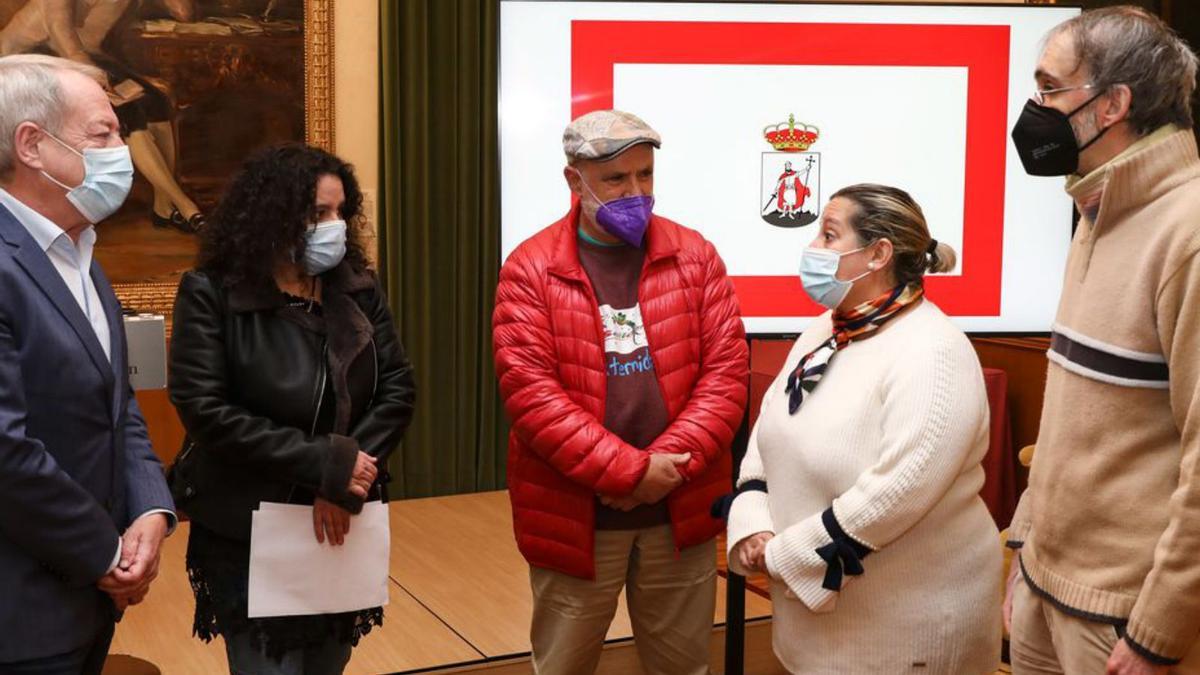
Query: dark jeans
[87, 660]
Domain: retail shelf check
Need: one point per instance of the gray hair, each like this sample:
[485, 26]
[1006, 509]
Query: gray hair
[1128, 45]
[30, 91]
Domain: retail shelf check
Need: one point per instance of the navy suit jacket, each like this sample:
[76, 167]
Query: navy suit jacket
[76, 466]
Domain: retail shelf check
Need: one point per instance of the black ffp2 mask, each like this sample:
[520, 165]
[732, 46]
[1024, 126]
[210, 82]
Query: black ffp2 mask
[1046, 142]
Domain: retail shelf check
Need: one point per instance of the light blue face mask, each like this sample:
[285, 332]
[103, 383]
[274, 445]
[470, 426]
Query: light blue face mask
[818, 275]
[107, 179]
[324, 246]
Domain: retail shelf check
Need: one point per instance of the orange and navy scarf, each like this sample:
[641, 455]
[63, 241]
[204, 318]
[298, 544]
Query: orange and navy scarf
[856, 324]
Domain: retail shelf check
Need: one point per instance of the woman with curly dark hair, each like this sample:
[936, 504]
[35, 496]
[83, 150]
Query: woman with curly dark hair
[292, 386]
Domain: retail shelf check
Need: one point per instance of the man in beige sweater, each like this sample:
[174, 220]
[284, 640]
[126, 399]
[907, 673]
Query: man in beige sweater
[1108, 579]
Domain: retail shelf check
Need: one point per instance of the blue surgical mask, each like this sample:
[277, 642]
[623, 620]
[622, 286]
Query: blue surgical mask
[818, 275]
[324, 246]
[107, 179]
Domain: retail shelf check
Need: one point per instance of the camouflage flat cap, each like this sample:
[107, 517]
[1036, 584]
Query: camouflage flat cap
[604, 134]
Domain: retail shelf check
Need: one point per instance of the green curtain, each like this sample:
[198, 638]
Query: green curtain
[439, 235]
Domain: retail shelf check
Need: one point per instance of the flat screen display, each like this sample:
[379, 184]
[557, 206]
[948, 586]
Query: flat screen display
[766, 110]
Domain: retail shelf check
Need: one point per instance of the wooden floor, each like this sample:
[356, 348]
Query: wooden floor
[459, 595]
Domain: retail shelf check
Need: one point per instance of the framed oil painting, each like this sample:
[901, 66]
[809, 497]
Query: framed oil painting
[197, 86]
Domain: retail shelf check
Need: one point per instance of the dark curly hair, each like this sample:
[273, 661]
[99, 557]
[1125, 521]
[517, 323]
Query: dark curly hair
[266, 210]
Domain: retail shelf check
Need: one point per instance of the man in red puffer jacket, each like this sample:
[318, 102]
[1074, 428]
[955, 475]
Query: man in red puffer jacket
[623, 366]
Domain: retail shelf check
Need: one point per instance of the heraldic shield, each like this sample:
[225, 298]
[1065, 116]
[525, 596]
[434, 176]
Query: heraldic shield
[791, 176]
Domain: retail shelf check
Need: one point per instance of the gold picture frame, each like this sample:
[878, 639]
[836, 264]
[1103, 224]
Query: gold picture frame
[318, 74]
[319, 131]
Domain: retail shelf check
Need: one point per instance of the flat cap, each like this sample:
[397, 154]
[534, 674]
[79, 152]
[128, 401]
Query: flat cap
[603, 134]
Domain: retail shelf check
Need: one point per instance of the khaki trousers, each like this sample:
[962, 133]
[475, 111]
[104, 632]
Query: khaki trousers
[1047, 641]
[671, 600]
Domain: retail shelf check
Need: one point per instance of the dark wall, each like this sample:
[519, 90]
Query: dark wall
[1152, 5]
[1184, 16]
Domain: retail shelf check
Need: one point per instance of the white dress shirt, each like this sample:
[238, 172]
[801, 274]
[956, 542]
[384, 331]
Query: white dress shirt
[73, 261]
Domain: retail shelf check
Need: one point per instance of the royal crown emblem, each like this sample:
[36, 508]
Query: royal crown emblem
[791, 137]
[791, 175]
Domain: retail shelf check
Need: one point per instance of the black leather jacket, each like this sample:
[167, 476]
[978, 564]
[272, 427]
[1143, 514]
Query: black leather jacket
[277, 401]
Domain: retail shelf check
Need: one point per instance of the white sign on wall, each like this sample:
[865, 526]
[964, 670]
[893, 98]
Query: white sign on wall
[766, 110]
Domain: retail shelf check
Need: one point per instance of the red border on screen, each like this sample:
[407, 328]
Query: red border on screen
[597, 46]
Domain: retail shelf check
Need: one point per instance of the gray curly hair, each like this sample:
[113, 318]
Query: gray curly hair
[1130, 46]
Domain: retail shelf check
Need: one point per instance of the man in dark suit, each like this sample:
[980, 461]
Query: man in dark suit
[83, 503]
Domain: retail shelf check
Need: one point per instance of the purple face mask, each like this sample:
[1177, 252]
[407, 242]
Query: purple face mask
[626, 218]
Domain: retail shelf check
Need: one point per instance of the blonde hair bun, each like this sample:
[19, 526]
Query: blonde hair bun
[943, 259]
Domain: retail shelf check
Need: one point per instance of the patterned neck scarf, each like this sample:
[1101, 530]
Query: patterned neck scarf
[856, 324]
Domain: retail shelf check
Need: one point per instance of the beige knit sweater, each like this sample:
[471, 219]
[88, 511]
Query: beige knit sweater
[892, 438]
[1111, 519]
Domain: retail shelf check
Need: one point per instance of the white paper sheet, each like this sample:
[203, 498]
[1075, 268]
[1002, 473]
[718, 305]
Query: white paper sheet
[291, 574]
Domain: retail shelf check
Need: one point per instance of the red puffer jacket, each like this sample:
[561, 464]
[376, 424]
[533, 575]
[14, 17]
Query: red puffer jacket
[549, 348]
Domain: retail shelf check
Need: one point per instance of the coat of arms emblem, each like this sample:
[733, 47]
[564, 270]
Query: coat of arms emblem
[791, 175]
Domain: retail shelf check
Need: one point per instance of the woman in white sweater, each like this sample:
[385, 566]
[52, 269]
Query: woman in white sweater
[859, 492]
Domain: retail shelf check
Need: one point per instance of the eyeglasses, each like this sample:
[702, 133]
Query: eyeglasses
[1040, 95]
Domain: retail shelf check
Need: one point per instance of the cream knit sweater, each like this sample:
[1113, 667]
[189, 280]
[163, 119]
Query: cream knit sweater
[892, 438]
[1111, 520]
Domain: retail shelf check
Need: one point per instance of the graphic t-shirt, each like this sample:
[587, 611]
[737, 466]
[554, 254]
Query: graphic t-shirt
[634, 408]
